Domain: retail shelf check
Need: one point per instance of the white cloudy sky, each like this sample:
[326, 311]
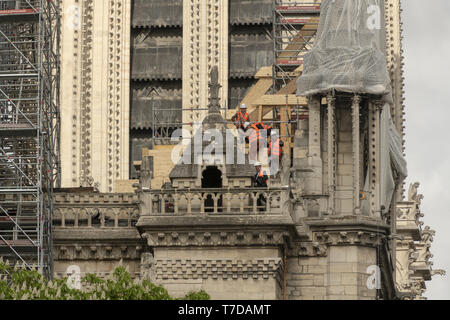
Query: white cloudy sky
[427, 73]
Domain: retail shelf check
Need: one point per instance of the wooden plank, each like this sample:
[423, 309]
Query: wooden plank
[264, 72]
[285, 128]
[280, 100]
[260, 112]
[300, 21]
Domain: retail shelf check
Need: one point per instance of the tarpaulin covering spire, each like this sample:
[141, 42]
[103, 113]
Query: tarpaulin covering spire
[349, 51]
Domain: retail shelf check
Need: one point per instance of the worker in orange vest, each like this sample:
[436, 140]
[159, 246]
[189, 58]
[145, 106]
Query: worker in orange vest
[275, 146]
[275, 151]
[241, 117]
[256, 137]
[261, 177]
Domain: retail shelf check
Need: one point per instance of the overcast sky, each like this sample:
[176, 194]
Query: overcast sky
[427, 71]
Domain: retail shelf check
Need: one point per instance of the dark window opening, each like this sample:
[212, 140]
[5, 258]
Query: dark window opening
[212, 179]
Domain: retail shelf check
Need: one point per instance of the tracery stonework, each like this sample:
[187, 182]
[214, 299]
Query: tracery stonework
[95, 93]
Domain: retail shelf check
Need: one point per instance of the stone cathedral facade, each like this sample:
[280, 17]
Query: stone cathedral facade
[310, 241]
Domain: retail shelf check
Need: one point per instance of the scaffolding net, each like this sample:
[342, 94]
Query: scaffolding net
[349, 51]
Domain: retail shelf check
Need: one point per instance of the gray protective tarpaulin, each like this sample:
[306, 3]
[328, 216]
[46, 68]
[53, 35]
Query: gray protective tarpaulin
[251, 12]
[349, 50]
[157, 13]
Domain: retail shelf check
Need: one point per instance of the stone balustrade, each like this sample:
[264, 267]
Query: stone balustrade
[214, 201]
[95, 210]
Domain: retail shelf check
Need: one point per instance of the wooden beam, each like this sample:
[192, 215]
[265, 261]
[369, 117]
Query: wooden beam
[260, 88]
[291, 88]
[280, 100]
[285, 128]
[264, 72]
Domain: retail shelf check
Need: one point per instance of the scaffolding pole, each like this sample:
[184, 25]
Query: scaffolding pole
[29, 130]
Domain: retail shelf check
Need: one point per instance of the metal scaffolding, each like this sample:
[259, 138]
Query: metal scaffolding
[29, 129]
[294, 28]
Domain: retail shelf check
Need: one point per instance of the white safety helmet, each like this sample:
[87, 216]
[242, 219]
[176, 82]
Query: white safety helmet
[273, 133]
[243, 106]
[246, 124]
[257, 164]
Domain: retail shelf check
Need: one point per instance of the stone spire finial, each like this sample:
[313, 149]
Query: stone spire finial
[214, 118]
[214, 86]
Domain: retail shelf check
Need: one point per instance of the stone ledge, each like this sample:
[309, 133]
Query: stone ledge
[347, 223]
[346, 238]
[171, 221]
[89, 234]
[215, 238]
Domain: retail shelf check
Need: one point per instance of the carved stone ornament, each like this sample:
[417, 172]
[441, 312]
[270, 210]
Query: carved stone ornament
[101, 252]
[178, 269]
[223, 238]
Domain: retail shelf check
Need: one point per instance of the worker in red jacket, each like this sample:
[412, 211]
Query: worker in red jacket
[241, 117]
[257, 137]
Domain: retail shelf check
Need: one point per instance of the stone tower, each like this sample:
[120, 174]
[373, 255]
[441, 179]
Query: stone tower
[335, 224]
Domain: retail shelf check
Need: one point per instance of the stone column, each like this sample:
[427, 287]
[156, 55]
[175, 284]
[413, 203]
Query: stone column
[314, 126]
[331, 100]
[313, 185]
[356, 153]
[374, 158]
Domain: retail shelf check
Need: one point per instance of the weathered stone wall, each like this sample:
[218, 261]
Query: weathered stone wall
[344, 171]
[225, 273]
[341, 275]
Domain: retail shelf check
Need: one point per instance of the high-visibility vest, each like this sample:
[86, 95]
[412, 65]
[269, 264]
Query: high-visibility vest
[240, 119]
[275, 148]
[261, 174]
[255, 135]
